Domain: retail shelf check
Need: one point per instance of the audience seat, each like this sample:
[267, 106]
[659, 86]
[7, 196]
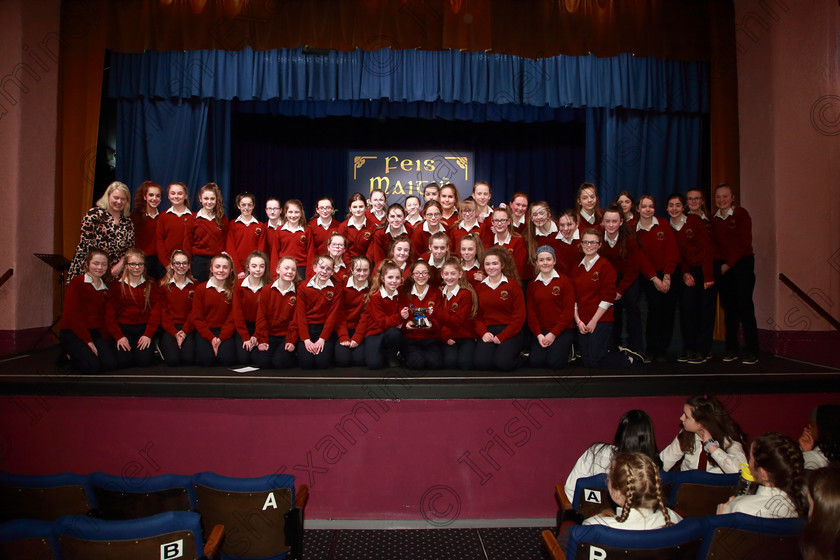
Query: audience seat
[697, 493]
[45, 498]
[119, 497]
[27, 539]
[737, 536]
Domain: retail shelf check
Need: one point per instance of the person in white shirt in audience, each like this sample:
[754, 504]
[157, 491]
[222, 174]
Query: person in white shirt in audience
[820, 440]
[710, 440]
[777, 466]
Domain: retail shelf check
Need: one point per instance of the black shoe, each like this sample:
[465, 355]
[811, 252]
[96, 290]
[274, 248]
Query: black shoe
[730, 357]
[684, 356]
[749, 358]
[647, 358]
[697, 358]
[636, 358]
[394, 362]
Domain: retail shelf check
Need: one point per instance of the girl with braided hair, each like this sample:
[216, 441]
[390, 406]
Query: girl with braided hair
[634, 485]
[778, 468]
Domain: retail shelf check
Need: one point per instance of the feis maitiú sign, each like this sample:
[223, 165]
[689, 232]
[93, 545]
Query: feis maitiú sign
[405, 173]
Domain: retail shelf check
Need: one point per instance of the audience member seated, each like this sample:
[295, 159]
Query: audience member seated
[820, 440]
[777, 466]
[821, 538]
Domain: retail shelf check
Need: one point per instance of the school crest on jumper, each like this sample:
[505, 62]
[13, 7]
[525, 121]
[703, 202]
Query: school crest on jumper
[555, 291]
[731, 223]
[454, 307]
[191, 294]
[366, 235]
[504, 295]
[596, 276]
[689, 233]
[303, 238]
[258, 231]
[330, 294]
[660, 235]
[292, 301]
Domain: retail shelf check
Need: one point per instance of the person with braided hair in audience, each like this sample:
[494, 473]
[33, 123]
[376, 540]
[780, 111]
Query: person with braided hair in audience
[820, 440]
[709, 440]
[821, 538]
[634, 485]
[777, 466]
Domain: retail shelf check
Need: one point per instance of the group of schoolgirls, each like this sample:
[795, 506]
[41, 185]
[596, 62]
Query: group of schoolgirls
[438, 285]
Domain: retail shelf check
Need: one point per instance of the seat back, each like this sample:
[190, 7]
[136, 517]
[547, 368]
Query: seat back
[737, 535]
[171, 535]
[119, 497]
[45, 498]
[28, 538]
[697, 493]
[253, 510]
[591, 495]
[681, 541]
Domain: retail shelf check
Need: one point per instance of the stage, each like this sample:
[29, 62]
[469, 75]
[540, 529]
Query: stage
[439, 449]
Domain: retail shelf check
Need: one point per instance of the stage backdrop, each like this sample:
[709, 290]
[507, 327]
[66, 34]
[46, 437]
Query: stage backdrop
[402, 174]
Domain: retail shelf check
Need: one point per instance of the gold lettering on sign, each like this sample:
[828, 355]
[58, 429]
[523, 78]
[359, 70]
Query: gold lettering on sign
[359, 161]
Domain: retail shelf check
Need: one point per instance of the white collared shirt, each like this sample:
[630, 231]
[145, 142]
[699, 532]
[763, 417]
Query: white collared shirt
[277, 287]
[486, 281]
[552, 228]
[415, 219]
[203, 214]
[184, 213]
[350, 284]
[415, 292]
[518, 222]
[212, 284]
[247, 284]
[451, 294]
[253, 220]
[181, 286]
[678, 225]
[140, 283]
[653, 222]
[314, 284]
[575, 237]
[402, 231]
[465, 227]
[288, 227]
[89, 280]
[352, 223]
[590, 218]
[544, 280]
[157, 213]
[273, 226]
[427, 230]
[498, 241]
[723, 215]
[589, 266]
[611, 242]
[325, 225]
[384, 293]
[486, 214]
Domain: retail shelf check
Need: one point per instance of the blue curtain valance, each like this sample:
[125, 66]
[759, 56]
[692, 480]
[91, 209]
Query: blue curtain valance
[414, 76]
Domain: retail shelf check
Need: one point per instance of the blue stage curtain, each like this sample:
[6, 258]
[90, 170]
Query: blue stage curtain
[410, 75]
[644, 119]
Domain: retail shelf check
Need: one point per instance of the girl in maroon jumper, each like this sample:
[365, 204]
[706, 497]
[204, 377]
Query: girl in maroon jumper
[84, 336]
[131, 300]
[246, 298]
[551, 312]
[449, 203]
[566, 243]
[349, 349]
[276, 320]
[732, 233]
[391, 228]
[628, 207]
[401, 254]
[293, 237]
[471, 252]
[383, 317]
[541, 228]
[336, 248]
[432, 215]
[421, 346]
[244, 234]
[317, 312]
[322, 226]
[622, 250]
[588, 207]
[356, 228]
[481, 193]
[211, 315]
[376, 214]
[467, 224]
[501, 313]
[177, 288]
[519, 213]
[172, 229]
[437, 255]
[501, 234]
[456, 316]
[660, 247]
[268, 240]
[594, 281]
[146, 218]
[412, 211]
[697, 294]
[206, 234]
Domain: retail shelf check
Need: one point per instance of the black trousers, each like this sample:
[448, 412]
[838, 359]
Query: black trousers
[83, 357]
[736, 297]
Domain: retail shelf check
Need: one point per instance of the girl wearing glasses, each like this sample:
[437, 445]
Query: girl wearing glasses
[432, 214]
[467, 224]
[323, 225]
[177, 288]
[502, 234]
[129, 313]
[421, 347]
[594, 280]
